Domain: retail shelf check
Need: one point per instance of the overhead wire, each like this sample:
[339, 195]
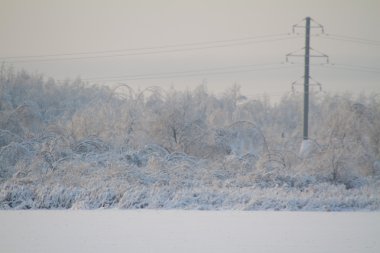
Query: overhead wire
[353, 38]
[199, 72]
[357, 66]
[152, 47]
[189, 71]
[339, 65]
[145, 53]
[350, 67]
[173, 48]
[150, 50]
[348, 39]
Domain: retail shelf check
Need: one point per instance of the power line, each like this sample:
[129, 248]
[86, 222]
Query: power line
[187, 75]
[352, 38]
[148, 53]
[370, 68]
[151, 50]
[357, 66]
[352, 41]
[187, 71]
[153, 76]
[349, 67]
[193, 46]
[348, 39]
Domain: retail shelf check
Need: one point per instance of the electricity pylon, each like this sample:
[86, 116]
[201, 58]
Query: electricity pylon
[308, 26]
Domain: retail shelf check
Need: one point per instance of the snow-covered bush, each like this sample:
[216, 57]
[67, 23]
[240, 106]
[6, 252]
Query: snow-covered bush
[76, 145]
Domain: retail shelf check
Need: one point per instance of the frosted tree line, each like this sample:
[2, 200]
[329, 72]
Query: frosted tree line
[72, 144]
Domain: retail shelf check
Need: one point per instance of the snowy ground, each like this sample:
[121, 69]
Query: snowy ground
[188, 231]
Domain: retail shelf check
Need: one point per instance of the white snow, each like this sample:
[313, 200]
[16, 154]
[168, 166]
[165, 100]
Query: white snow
[188, 231]
[77, 145]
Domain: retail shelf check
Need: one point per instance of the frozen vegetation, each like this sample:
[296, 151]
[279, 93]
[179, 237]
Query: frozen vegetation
[76, 145]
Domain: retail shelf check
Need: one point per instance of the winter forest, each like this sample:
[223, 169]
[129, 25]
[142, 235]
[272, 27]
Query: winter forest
[77, 145]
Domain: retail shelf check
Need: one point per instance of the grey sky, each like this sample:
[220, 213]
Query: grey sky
[40, 27]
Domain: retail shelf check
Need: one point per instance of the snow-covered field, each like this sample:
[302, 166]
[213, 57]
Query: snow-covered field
[188, 231]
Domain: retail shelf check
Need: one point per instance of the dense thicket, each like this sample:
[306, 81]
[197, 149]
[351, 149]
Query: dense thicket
[75, 145]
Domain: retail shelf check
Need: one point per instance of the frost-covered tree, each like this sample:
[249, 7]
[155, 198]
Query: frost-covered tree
[72, 144]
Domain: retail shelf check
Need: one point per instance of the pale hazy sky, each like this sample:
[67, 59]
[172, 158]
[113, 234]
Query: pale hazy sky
[46, 27]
